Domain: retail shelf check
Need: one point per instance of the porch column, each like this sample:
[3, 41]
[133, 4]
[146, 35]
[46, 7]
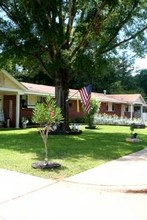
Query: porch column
[141, 111]
[17, 110]
[131, 116]
[122, 110]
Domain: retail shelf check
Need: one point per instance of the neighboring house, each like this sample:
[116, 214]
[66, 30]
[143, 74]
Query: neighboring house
[18, 99]
[123, 105]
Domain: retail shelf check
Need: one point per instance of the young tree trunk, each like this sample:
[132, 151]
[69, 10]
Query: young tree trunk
[44, 134]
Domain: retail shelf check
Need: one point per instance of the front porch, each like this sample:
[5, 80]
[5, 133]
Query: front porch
[10, 109]
[134, 111]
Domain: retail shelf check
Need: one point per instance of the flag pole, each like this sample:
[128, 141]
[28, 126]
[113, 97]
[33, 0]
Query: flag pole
[72, 96]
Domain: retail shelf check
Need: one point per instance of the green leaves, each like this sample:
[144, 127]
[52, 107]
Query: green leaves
[47, 113]
[95, 105]
[43, 30]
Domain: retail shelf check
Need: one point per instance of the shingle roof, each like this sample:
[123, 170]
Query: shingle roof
[130, 98]
[45, 90]
[39, 89]
[74, 94]
[105, 98]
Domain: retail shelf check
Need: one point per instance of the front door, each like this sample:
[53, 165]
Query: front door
[10, 109]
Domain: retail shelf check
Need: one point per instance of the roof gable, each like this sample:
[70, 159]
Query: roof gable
[9, 82]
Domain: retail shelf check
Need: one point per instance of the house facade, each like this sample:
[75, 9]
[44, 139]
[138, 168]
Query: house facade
[18, 99]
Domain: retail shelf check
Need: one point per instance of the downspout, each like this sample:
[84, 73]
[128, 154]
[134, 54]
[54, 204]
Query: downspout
[17, 110]
[141, 110]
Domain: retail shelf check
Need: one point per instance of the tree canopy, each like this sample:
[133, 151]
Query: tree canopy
[61, 37]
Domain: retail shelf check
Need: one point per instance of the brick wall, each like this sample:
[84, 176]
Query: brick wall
[73, 109]
[103, 109]
[26, 112]
[73, 113]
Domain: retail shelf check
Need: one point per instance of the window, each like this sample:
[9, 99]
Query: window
[126, 108]
[40, 99]
[113, 107]
[110, 107]
[24, 101]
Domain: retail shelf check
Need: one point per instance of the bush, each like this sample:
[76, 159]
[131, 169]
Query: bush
[91, 114]
[78, 120]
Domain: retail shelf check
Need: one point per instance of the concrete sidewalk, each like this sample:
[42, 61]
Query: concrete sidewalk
[126, 173]
[115, 190]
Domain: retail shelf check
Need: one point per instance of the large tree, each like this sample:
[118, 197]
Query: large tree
[141, 81]
[55, 37]
[111, 73]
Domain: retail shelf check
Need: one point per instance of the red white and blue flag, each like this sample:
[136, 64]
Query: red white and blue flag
[85, 94]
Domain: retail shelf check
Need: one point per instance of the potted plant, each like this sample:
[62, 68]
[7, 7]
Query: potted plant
[46, 115]
[24, 122]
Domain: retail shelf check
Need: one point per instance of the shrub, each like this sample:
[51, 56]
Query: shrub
[46, 115]
[91, 114]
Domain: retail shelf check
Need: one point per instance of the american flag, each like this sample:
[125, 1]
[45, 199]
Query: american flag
[85, 94]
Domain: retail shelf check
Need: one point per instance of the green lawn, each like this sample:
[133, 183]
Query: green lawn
[20, 148]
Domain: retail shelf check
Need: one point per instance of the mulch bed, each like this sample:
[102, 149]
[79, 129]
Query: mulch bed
[45, 165]
[65, 132]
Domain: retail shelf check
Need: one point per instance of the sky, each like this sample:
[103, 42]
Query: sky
[141, 63]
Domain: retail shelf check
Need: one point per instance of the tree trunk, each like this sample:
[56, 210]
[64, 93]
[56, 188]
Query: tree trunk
[61, 95]
[44, 134]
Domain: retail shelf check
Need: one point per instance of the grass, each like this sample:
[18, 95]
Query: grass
[20, 148]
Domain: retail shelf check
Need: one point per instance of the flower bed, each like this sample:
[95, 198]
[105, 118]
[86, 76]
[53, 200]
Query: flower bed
[104, 119]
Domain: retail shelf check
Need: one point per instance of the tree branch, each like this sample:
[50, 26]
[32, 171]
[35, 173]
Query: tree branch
[71, 13]
[118, 28]
[124, 41]
[83, 41]
[35, 56]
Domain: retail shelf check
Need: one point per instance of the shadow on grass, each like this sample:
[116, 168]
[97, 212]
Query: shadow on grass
[96, 144]
[76, 153]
